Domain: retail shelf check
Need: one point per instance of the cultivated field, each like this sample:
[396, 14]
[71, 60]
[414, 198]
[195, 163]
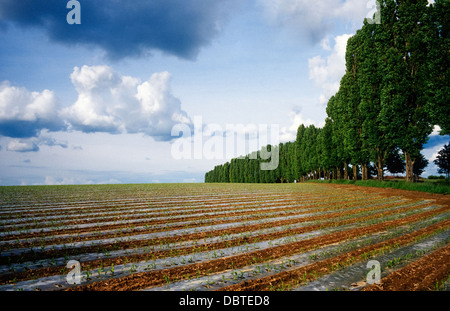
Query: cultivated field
[222, 237]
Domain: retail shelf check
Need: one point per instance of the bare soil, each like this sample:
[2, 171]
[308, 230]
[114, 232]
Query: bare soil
[423, 274]
[148, 279]
[420, 275]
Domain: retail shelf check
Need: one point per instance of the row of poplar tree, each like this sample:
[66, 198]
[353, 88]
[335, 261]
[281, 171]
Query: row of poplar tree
[394, 91]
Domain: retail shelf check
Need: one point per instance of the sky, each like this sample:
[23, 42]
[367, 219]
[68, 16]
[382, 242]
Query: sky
[106, 100]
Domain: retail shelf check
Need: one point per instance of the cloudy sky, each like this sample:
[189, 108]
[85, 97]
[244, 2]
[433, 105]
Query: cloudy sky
[96, 102]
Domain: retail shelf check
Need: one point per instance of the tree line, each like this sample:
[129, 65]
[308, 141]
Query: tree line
[394, 91]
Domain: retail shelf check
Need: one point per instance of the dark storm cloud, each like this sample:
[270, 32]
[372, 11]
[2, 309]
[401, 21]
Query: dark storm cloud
[26, 129]
[124, 28]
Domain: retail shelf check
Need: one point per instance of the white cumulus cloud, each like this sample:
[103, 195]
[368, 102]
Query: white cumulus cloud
[25, 114]
[327, 72]
[22, 146]
[289, 133]
[33, 144]
[316, 19]
[112, 103]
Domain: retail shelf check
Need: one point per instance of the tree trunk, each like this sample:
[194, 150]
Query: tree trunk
[379, 165]
[409, 167]
[345, 171]
[355, 172]
[364, 172]
[338, 173]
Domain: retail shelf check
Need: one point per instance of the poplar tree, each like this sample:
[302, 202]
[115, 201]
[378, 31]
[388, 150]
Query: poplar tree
[404, 72]
[336, 114]
[438, 43]
[299, 151]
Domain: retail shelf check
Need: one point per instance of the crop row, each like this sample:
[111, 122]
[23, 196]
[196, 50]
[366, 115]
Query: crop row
[263, 238]
[348, 215]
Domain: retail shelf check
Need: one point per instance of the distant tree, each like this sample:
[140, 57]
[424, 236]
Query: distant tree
[443, 160]
[419, 166]
[371, 171]
[293, 167]
[395, 164]
[234, 176]
[226, 172]
[329, 156]
[336, 116]
[299, 151]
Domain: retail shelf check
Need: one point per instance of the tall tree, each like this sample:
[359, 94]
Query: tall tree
[443, 160]
[405, 77]
[374, 136]
[328, 154]
[438, 42]
[351, 100]
[299, 151]
[337, 115]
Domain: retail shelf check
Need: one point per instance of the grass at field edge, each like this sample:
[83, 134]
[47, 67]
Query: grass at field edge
[425, 186]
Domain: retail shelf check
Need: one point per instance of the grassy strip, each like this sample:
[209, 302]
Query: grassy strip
[426, 186]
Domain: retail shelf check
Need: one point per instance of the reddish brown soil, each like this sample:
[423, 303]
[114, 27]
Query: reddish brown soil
[312, 271]
[154, 278]
[80, 219]
[422, 274]
[201, 247]
[211, 220]
[197, 236]
[185, 207]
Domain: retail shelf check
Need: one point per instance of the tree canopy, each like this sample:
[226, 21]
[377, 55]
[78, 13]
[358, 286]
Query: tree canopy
[443, 160]
[394, 91]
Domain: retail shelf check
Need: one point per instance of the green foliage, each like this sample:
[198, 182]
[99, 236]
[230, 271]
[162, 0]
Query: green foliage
[395, 163]
[426, 186]
[395, 89]
[443, 160]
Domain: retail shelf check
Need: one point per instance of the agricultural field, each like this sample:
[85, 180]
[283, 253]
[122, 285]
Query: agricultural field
[228, 237]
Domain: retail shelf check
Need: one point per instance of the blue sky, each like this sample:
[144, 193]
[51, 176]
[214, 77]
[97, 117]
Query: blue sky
[96, 102]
